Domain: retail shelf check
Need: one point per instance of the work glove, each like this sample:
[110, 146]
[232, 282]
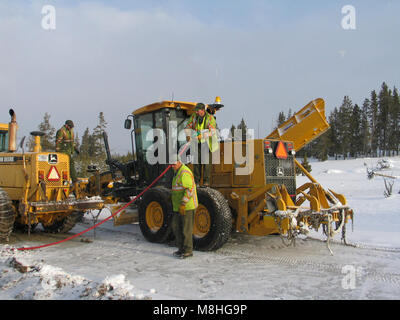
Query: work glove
[182, 209]
[199, 137]
[188, 138]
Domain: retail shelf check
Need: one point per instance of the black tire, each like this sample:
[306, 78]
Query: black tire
[220, 225]
[24, 228]
[156, 227]
[64, 225]
[7, 216]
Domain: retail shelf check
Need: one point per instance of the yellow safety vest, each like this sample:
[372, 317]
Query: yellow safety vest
[184, 189]
[212, 141]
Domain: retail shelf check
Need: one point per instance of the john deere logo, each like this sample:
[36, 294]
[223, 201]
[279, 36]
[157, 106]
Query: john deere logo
[53, 158]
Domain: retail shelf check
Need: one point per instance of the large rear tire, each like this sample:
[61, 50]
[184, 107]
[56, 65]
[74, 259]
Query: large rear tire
[7, 216]
[212, 221]
[155, 212]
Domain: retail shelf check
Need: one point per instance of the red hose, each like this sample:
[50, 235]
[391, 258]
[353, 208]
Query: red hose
[101, 222]
[115, 213]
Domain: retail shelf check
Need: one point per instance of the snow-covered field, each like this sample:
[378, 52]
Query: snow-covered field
[120, 264]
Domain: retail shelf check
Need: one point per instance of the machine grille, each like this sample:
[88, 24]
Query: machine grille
[280, 171]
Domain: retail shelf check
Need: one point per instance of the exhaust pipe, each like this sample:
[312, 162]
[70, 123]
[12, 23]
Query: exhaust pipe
[12, 132]
[37, 146]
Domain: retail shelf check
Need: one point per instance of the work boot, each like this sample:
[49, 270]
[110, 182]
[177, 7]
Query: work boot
[178, 253]
[187, 255]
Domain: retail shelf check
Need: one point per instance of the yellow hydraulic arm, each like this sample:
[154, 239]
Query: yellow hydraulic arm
[304, 126]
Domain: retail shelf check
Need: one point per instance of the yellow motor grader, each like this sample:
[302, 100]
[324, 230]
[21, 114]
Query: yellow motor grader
[261, 202]
[35, 187]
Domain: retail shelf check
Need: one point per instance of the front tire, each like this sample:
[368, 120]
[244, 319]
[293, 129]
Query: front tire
[155, 212]
[212, 221]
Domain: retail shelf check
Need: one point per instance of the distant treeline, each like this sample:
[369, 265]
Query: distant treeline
[372, 129]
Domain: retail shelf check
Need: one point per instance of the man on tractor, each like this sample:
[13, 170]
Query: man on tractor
[205, 127]
[65, 143]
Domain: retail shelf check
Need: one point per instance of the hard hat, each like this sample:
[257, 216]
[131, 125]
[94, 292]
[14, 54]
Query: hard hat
[218, 100]
[200, 106]
[69, 123]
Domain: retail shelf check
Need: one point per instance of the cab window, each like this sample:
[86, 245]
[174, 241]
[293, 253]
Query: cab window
[3, 141]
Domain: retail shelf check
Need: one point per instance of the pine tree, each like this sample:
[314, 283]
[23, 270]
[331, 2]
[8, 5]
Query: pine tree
[343, 126]
[99, 150]
[333, 133]
[365, 129]
[85, 145]
[77, 141]
[393, 122]
[373, 123]
[383, 115]
[232, 133]
[322, 146]
[355, 132]
[305, 164]
[242, 126]
[281, 119]
[289, 115]
[48, 140]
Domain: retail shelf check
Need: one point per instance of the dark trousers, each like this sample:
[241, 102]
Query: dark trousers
[182, 227]
[72, 170]
[197, 168]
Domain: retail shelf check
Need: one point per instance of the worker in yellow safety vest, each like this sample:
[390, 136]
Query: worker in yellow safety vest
[184, 204]
[205, 128]
[65, 143]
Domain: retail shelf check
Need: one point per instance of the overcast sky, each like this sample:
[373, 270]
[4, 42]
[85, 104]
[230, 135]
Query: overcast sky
[261, 57]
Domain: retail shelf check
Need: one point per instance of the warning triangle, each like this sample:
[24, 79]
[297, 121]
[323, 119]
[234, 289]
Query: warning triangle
[280, 151]
[53, 174]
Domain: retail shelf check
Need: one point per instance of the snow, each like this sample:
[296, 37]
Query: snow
[118, 263]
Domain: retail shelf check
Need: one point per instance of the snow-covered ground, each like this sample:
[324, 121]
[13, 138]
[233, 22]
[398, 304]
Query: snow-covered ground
[120, 264]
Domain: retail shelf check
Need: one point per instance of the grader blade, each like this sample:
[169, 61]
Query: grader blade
[126, 216]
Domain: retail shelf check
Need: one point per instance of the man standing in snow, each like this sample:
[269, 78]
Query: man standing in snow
[184, 203]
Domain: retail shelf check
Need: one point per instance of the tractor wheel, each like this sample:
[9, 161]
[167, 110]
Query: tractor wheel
[24, 228]
[64, 225]
[155, 212]
[7, 216]
[212, 220]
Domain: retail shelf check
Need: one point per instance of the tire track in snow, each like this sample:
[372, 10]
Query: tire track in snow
[310, 265]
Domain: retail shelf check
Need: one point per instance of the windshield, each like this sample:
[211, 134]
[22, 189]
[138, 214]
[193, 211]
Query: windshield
[177, 123]
[145, 135]
[3, 141]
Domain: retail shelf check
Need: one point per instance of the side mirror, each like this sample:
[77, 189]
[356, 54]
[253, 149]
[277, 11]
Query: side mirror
[128, 123]
[21, 144]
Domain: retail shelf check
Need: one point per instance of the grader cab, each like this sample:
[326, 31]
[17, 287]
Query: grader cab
[256, 195]
[35, 187]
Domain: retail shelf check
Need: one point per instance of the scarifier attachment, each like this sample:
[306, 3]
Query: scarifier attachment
[314, 206]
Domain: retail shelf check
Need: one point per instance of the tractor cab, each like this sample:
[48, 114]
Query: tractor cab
[158, 131]
[3, 137]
